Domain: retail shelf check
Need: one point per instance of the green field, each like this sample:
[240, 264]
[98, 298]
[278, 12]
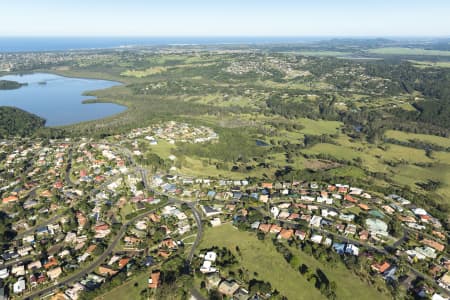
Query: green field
[317, 127]
[430, 64]
[321, 53]
[128, 290]
[405, 137]
[262, 257]
[144, 73]
[408, 51]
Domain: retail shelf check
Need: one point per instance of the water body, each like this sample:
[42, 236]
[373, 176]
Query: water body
[261, 143]
[58, 99]
[31, 44]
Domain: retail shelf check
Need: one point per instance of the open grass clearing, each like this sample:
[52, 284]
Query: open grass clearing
[129, 290]
[426, 138]
[408, 51]
[262, 257]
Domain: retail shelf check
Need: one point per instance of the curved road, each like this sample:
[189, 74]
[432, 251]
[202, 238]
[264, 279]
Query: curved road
[92, 266]
[119, 235]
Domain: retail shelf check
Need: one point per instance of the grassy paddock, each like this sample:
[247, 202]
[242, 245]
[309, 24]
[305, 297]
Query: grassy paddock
[262, 257]
[405, 137]
[408, 51]
[128, 290]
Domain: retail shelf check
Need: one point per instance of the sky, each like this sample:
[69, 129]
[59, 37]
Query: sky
[224, 18]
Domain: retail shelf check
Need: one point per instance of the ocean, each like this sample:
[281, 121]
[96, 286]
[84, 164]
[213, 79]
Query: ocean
[32, 44]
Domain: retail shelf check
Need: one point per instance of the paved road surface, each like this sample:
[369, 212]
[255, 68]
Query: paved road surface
[92, 266]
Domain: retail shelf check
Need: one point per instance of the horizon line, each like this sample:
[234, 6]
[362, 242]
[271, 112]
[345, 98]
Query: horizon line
[225, 36]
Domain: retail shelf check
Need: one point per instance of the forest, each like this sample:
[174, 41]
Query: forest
[17, 122]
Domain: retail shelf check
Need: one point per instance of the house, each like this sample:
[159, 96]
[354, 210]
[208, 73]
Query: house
[52, 262]
[293, 217]
[316, 238]
[207, 267]
[350, 229]
[153, 281]
[327, 242]
[275, 228]
[315, 221]
[350, 199]
[81, 220]
[267, 185]
[274, 211]
[123, 262]
[389, 210]
[46, 194]
[352, 249]
[286, 233]
[54, 273]
[300, 234]
[425, 251]
[210, 211]
[444, 281]
[363, 235]
[154, 218]
[213, 280]
[264, 198]
[255, 225]
[377, 227]
[18, 270]
[347, 217]
[210, 256]
[264, 227]
[380, 268]
[283, 215]
[34, 265]
[163, 253]
[19, 286]
[74, 291]
[104, 270]
[363, 206]
[91, 249]
[10, 199]
[4, 273]
[433, 244]
[131, 240]
[340, 228]
[168, 243]
[215, 222]
[228, 288]
[149, 260]
[339, 248]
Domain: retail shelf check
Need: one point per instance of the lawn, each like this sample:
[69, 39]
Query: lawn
[262, 257]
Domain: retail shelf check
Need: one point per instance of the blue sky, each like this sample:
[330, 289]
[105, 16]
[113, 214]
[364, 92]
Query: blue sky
[224, 18]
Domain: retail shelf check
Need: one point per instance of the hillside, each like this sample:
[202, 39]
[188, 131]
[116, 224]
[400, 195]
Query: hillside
[10, 85]
[14, 121]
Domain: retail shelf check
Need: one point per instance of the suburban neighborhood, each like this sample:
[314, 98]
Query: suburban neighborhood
[79, 213]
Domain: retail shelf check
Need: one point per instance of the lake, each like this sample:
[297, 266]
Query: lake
[58, 99]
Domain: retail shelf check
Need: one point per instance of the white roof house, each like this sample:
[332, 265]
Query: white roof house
[315, 221]
[19, 286]
[211, 256]
[4, 273]
[377, 227]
